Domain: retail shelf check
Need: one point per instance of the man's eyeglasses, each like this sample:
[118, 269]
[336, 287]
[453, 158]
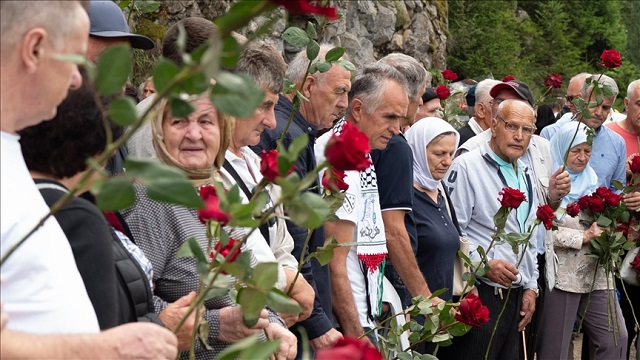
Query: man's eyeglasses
[569, 98]
[526, 130]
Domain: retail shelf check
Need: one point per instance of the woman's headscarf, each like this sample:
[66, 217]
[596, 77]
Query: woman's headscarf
[419, 136]
[198, 177]
[583, 182]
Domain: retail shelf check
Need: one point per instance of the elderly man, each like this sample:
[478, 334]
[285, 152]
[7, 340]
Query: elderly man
[430, 106]
[327, 94]
[574, 90]
[378, 103]
[42, 291]
[498, 164]
[481, 119]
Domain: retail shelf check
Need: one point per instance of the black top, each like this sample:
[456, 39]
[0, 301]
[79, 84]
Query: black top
[320, 320]
[465, 134]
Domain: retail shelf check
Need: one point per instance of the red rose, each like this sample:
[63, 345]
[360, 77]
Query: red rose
[508, 78]
[573, 209]
[554, 80]
[211, 210]
[611, 58]
[224, 251]
[443, 93]
[472, 312]
[546, 215]
[334, 180]
[585, 202]
[349, 150]
[613, 199]
[636, 263]
[596, 204]
[306, 7]
[511, 197]
[269, 165]
[449, 75]
[634, 164]
[349, 348]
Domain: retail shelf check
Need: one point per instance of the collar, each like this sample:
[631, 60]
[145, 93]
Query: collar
[298, 119]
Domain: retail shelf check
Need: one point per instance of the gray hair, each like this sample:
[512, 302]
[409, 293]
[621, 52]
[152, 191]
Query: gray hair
[298, 66]
[369, 85]
[264, 65]
[483, 89]
[580, 77]
[632, 87]
[18, 17]
[602, 80]
[412, 70]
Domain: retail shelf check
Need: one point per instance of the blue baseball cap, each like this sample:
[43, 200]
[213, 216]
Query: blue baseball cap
[107, 21]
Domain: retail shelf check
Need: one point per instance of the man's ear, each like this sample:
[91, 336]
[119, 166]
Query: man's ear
[481, 109]
[494, 126]
[308, 84]
[31, 48]
[357, 109]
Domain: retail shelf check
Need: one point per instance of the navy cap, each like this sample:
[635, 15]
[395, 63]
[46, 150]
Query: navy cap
[428, 95]
[471, 96]
[107, 21]
[519, 87]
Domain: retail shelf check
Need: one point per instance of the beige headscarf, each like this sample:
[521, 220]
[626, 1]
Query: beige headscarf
[198, 177]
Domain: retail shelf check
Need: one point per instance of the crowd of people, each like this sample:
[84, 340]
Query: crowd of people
[93, 284]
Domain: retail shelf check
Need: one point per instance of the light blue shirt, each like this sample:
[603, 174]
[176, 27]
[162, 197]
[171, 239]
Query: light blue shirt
[548, 131]
[608, 157]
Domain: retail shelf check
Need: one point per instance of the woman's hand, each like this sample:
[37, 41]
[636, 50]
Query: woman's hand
[591, 233]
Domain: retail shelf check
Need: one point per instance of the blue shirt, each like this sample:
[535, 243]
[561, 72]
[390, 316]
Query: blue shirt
[608, 157]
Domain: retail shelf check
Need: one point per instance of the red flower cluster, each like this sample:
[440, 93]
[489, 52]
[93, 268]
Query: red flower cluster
[269, 165]
[554, 80]
[508, 78]
[634, 164]
[472, 312]
[349, 348]
[573, 209]
[333, 180]
[449, 75]
[511, 197]
[611, 58]
[442, 92]
[636, 263]
[224, 251]
[211, 210]
[546, 215]
[601, 198]
[349, 150]
[307, 7]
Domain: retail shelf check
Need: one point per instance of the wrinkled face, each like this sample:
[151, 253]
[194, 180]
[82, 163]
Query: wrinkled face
[98, 44]
[327, 98]
[579, 157]
[384, 122]
[431, 108]
[632, 104]
[193, 141]
[148, 89]
[507, 143]
[248, 130]
[440, 154]
[574, 90]
[414, 105]
[502, 95]
[599, 113]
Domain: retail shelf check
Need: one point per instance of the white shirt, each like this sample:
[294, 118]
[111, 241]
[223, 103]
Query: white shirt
[42, 291]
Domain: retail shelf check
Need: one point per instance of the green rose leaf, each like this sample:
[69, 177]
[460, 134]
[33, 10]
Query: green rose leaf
[265, 275]
[313, 49]
[232, 352]
[308, 210]
[280, 302]
[123, 111]
[164, 71]
[260, 351]
[296, 37]
[116, 193]
[146, 7]
[113, 69]
[323, 66]
[181, 108]
[311, 31]
[191, 248]
[236, 95]
[252, 302]
[194, 84]
[334, 54]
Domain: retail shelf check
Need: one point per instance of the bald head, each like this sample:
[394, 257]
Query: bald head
[512, 128]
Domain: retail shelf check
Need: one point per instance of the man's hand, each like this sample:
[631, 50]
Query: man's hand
[141, 340]
[232, 327]
[172, 315]
[527, 308]
[502, 272]
[288, 347]
[591, 233]
[632, 200]
[326, 340]
[302, 293]
[559, 185]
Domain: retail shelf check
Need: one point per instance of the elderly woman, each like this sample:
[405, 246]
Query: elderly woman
[195, 144]
[570, 272]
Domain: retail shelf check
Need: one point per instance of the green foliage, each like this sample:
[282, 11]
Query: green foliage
[113, 69]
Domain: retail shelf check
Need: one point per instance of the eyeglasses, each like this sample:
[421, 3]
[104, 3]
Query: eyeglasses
[526, 130]
[569, 98]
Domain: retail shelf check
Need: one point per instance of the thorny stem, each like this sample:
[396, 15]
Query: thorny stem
[593, 283]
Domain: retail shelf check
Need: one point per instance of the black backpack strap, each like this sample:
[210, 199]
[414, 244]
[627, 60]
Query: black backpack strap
[264, 228]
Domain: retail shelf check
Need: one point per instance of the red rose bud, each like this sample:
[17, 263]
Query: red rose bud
[211, 210]
[596, 204]
[585, 202]
[334, 180]
[511, 197]
[307, 7]
[508, 78]
[602, 192]
[472, 312]
[442, 92]
[546, 215]
[554, 80]
[611, 58]
[636, 263]
[224, 251]
[269, 165]
[634, 164]
[573, 209]
[349, 348]
[449, 75]
[349, 150]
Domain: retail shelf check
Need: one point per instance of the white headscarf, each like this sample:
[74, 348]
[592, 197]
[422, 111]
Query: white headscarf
[419, 136]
